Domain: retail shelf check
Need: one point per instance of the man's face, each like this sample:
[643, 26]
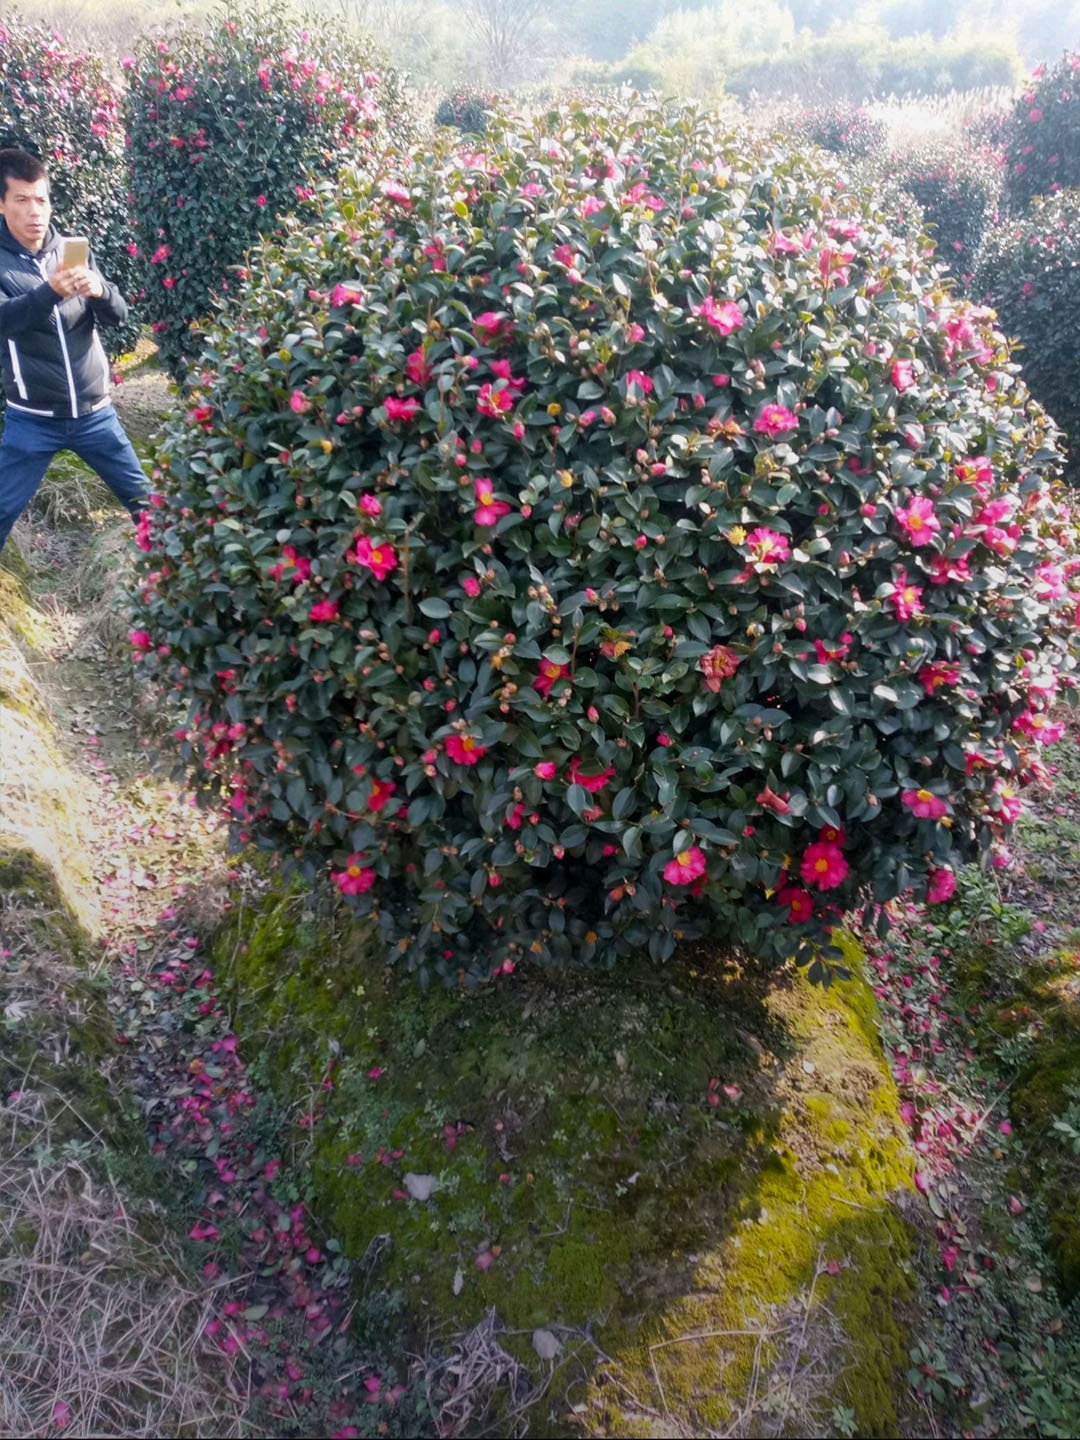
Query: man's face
[25, 206]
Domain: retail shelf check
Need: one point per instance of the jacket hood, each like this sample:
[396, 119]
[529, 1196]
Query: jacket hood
[8, 241]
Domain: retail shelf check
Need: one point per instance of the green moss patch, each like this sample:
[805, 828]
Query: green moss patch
[59, 1060]
[632, 1157]
[1048, 1090]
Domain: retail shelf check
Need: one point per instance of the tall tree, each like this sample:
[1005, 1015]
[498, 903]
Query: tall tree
[505, 29]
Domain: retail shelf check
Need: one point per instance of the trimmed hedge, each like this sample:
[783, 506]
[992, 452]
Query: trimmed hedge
[64, 108]
[958, 189]
[225, 125]
[1029, 270]
[607, 536]
[1043, 134]
[466, 109]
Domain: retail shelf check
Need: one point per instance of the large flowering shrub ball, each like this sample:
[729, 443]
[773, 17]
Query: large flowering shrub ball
[227, 120]
[1042, 136]
[957, 186]
[1029, 270]
[602, 536]
[842, 127]
[466, 109]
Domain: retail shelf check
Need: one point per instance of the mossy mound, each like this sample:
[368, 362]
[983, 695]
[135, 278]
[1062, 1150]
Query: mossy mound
[624, 1161]
[59, 1044]
[1048, 1089]
[59, 1058]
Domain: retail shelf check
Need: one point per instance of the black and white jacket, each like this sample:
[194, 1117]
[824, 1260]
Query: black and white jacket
[52, 361]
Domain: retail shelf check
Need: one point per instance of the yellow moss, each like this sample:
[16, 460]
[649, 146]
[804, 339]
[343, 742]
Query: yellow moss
[813, 1204]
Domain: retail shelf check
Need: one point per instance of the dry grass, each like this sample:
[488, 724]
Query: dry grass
[462, 1387]
[939, 116]
[95, 1320]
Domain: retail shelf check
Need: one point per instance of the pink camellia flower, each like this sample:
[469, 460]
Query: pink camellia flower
[488, 510]
[417, 367]
[778, 804]
[464, 750]
[919, 520]
[775, 420]
[492, 327]
[718, 665]
[260, 201]
[800, 902]
[1050, 582]
[435, 253]
[370, 505]
[944, 568]
[342, 295]
[905, 599]
[298, 402]
[903, 374]
[941, 887]
[823, 865]
[686, 867]
[977, 472]
[492, 401]
[299, 564]
[635, 333]
[324, 610]
[397, 193]
[549, 673]
[767, 547]
[725, 317]
[1009, 803]
[502, 369]
[593, 783]
[141, 640]
[355, 878]
[997, 512]
[379, 559]
[1041, 729]
[381, 790]
[638, 382]
[936, 674]
[471, 585]
[925, 804]
[397, 409]
[833, 649]
[545, 769]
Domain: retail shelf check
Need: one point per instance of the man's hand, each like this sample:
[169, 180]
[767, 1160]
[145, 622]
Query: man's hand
[78, 280]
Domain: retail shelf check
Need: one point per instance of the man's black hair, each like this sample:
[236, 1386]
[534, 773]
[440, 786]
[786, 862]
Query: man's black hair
[20, 165]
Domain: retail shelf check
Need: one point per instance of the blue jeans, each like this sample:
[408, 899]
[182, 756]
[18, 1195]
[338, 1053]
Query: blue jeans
[29, 443]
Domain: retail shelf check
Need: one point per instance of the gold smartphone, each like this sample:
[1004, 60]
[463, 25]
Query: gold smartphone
[74, 250]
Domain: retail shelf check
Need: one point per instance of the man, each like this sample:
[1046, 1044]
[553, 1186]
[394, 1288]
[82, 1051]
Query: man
[55, 373]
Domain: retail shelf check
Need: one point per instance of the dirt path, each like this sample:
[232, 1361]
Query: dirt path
[155, 881]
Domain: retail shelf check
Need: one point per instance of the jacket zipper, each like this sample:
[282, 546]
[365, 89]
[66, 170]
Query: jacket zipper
[72, 392]
[17, 368]
[67, 366]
